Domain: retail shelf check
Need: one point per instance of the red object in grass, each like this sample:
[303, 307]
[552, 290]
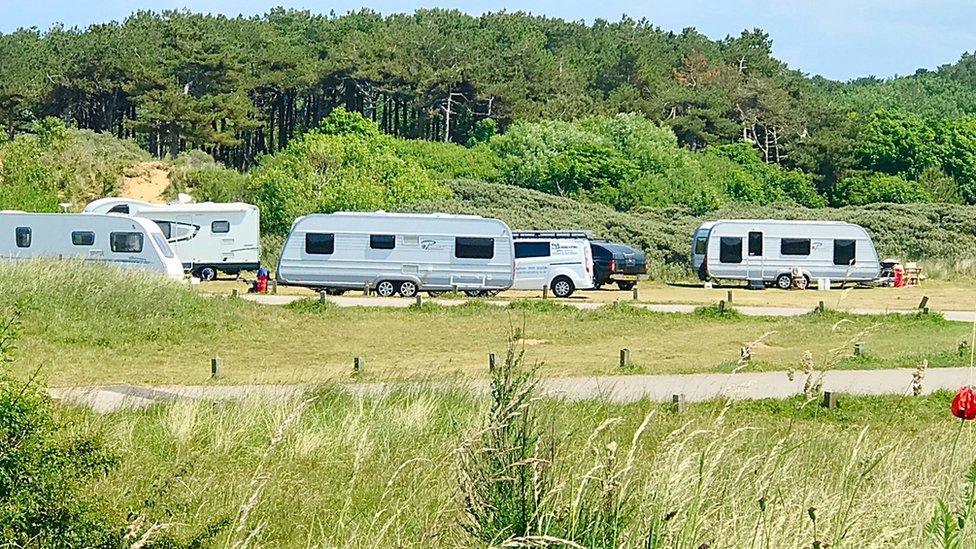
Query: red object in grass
[964, 403]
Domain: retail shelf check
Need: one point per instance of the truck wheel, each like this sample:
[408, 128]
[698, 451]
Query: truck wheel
[385, 288]
[207, 273]
[626, 285]
[562, 287]
[407, 289]
[784, 281]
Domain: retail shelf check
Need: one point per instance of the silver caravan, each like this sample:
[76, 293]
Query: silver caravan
[769, 250]
[128, 242]
[397, 253]
[207, 236]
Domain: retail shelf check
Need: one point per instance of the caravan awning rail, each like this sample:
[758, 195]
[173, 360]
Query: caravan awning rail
[552, 234]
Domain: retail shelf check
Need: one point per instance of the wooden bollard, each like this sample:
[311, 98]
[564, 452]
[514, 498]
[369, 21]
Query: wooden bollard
[357, 365]
[233, 293]
[216, 367]
[274, 286]
[923, 305]
[420, 300]
[728, 296]
[678, 403]
[322, 295]
[721, 306]
[636, 298]
[829, 400]
[821, 307]
[858, 348]
[545, 291]
[366, 289]
[491, 362]
[624, 357]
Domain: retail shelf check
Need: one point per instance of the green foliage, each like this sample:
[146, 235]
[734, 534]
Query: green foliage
[321, 173]
[198, 174]
[858, 190]
[449, 161]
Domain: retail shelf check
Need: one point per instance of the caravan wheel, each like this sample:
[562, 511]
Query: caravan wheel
[385, 288]
[207, 273]
[784, 281]
[407, 289]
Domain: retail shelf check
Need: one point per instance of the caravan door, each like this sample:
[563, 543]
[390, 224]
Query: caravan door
[755, 260]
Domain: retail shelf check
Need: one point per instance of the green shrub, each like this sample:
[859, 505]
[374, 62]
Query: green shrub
[859, 190]
[198, 174]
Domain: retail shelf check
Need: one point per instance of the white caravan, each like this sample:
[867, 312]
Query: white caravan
[769, 251]
[208, 237]
[129, 242]
[397, 253]
[561, 260]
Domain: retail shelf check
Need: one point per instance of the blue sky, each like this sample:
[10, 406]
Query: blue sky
[835, 38]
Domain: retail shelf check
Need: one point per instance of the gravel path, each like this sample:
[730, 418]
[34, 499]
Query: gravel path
[621, 389]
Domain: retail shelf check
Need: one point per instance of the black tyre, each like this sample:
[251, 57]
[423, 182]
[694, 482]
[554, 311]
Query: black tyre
[386, 288]
[626, 285]
[474, 293]
[407, 289]
[207, 273]
[433, 293]
[335, 291]
[784, 281]
[562, 286]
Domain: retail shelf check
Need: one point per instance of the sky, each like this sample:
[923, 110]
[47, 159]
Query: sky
[838, 39]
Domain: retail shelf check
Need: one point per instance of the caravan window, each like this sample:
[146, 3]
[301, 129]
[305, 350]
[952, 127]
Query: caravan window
[730, 249]
[166, 227]
[701, 245]
[382, 241]
[163, 245]
[218, 227]
[126, 243]
[531, 249]
[794, 246]
[82, 238]
[120, 209]
[319, 243]
[474, 248]
[755, 244]
[844, 252]
[23, 237]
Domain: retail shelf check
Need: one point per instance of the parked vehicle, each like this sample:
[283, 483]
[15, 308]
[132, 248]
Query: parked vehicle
[767, 252]
[209, 237]
[397, 253]
[561, 260]
[128, 242]
[617, 264]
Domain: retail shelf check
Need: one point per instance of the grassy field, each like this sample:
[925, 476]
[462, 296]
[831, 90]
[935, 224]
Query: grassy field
[346, 471]
[83, 326]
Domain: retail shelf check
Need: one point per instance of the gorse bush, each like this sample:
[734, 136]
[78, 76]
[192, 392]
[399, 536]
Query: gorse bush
[862, 190]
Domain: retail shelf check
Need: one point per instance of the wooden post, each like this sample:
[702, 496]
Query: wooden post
[678, 403]
[366, 289]
[491, 362]
[829, 400]
[357, 365]
[624, 357]
[545, 291]
[322, 295]
[274, 286]
[721, 306]
[821, 307]
[728, 296]
[745, 354]
[454, 288]
[858, 348]
[216, 367]
[923, 305]
[635, 293]
[233, 293]
[420, 300]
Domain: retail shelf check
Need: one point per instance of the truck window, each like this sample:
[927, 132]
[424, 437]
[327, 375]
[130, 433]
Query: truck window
[531, 249]
[467, 247]
[23, 237]
[844, 252]
[755, 244]
[382, 241]
[730, 249]
[218, 227]
[319, 243]
[166, 227]
[82, 238]
[701, 245]
[126, 243]
[794, 246]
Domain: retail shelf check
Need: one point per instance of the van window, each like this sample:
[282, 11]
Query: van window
[730, 249]
[319, 243]
[23, 237]
[701, 245]
[126, 243]
[755, 244]
[466, 247]
[163, 245]
[844, 252]
[82, 238]
[382, 241]
[120, 209]
[218, 227]
[166, 227]
[531, 249]
[794, 246]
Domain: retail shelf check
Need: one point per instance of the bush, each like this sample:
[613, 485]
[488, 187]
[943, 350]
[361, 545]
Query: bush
[198, 174]
[877, 188]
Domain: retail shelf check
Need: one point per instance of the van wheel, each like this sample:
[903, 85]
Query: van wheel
[207, 273]
[626, 285]
[385, 288]
[562, 287]
[407, 289]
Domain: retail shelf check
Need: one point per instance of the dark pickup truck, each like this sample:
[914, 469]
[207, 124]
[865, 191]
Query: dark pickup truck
[616, 263]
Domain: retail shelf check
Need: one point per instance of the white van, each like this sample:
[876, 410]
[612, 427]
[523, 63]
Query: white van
[128, 242]
[767, 252]
[561, 260]
[397, 253]
[209, 237]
